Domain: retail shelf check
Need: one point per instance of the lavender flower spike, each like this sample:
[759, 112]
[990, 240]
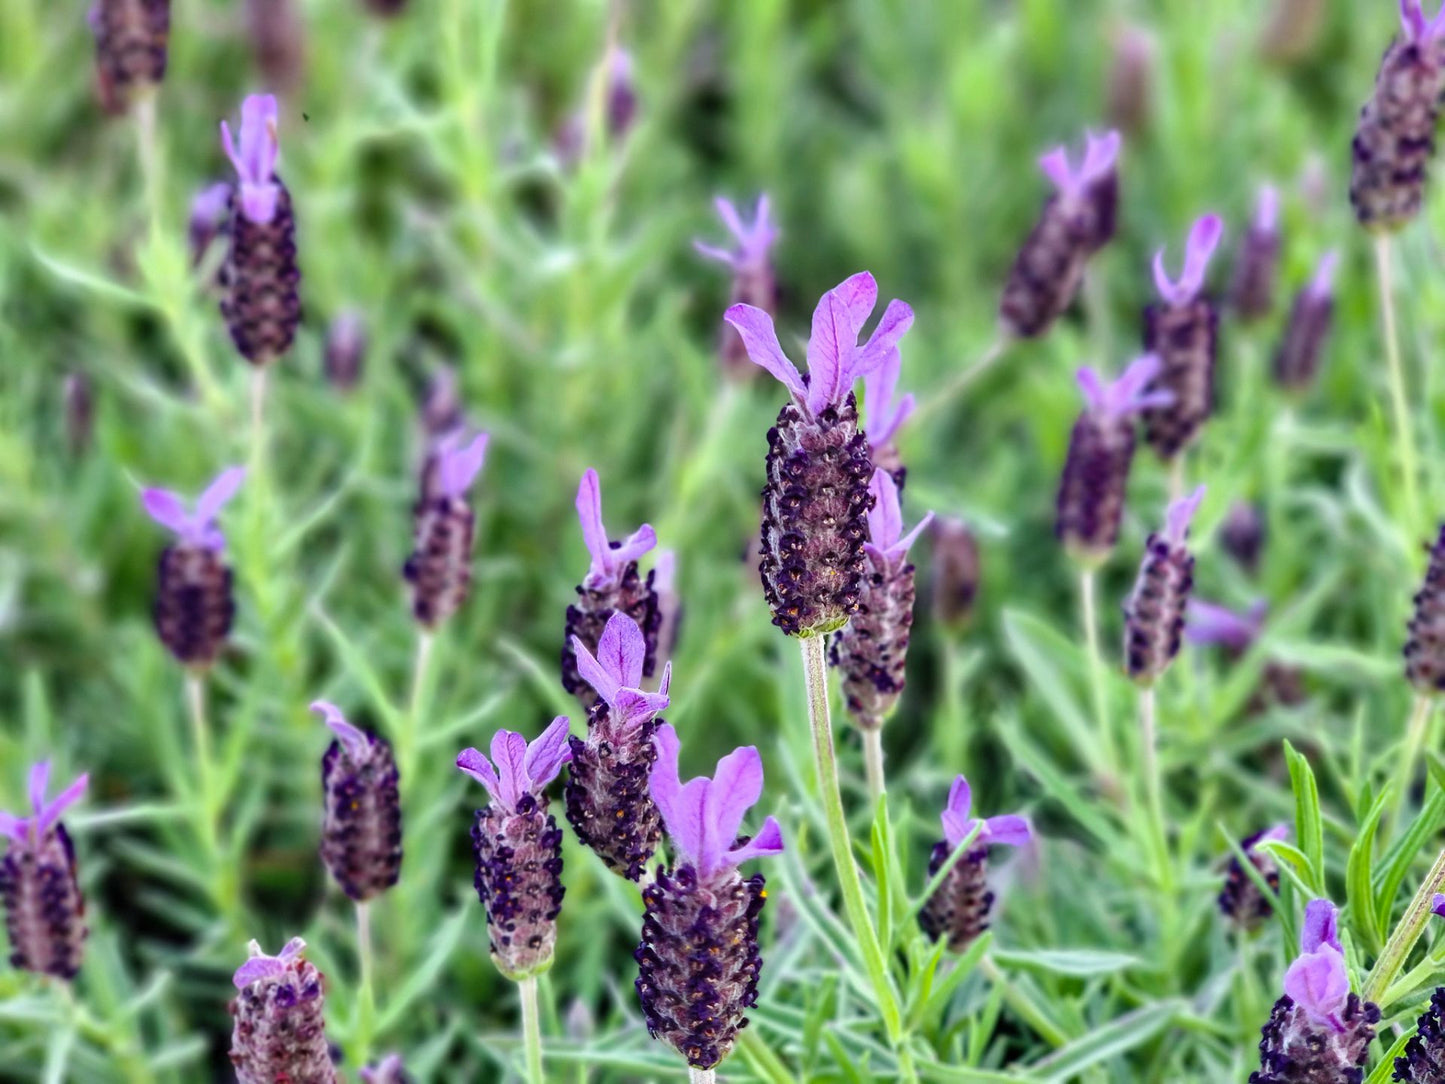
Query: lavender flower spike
[1154, 612]
[1307, 333]
[1423, 1061]
[280, 1026]
[958, 910]
[519, 847]
[39, 891]
[361, 826]
[439, 568]
[613, 584]
[254, 155]
[886, 413]
[1251, 291]
[194, 605]
[1240, 900]
[753, 280]
[698, 960]
[131, 46]
[1425, 632]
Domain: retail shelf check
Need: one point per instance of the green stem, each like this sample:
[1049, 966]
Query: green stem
[1158, 832]
[1090, 619]
[815, 671]
[873, 763]
[531, 1028]
[1403, 435]
[961, 382]
[366, 994]
[1392, 959]
[406, 741]
[701, 1076]
[1414, 739]
[205, 788]
[1176, 476]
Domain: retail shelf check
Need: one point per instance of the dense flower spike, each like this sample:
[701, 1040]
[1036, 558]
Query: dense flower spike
[608, 802]
[1154, 613]
[1076, 221]
[519, 846]
[278, 41]
[1131, 78]
[439, 568]
[361, 827]
[194, 606]
[818, 467]
[1240, 900]
[613, 584]
[1242, 535]
[44, 910]
[1395, 136]
[753, 280]
[1425, 643]
[872, 648]
[261, 302]
[1424, 1059]
[1319, 1032]
[1251, 291]
[1298, 357]
[698, 960]
[345, 350]
[1095, 480]
[885, 413]
[958, 911]
[1182, 329]
[131, 38]
[955, 571]
[280, 1028]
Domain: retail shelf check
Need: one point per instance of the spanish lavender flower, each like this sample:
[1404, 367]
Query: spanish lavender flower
[608, 803]
[1319, 1032]
[44, 910]
[818, 468]
[519, 847]
[698, 960]
[619, 107]
[1240, 900]
[1130, 93]
[280, 1029]
[1424, 1059]
[1251, 291]
[131, 37]
[441, 407]
[345, 349]
[753, 280]
[210, 209]
[79, 412]
[1207, 623]
[278, 40]
[669, 603]
[261, 304]
[612, 585]
[1154, 613]
[1395, 137]
[884, 414]
[872, 648]
[958, 911]
[1298, 357]
[1076, 221]
[1242, 535]
[194, 605]
[439, 568]
[1425, 644]
[361, 827]
[1095, 480]
[389, 1070]
[1182, 328]
[955, 570]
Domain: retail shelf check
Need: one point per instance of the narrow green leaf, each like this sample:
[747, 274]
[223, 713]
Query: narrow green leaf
[1100, 1044]
[1309, 825]
[1358, 892]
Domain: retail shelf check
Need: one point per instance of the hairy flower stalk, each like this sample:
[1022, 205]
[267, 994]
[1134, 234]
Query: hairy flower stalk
[131, 39]
[1154, 612]
[1240, 900]
[39, 891]
[1182, 330]
[608, 802]
[955, 571]
[1251, 290]
[958, 910]
[753, 280]
[1319, 1032]
[698, 960]
[1077, 220]
[280, 1028]
[1297, 359]
[612, 585]
[361, 825]
[440, 566]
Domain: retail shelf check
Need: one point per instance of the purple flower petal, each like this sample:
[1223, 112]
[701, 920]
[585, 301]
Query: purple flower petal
[1203, 239]
[254, 155]
[897, 319]
[1055, 166]
[1320, 985]
[476, 765]
[681, 806]
[12, 826]
[509, 754]
[1212, 624]
[1266, 209]
[546, 755]
[1101, 155]
[460, 466]
[831, 346]
[1437, 904]
[760, 339]
[1321, 927]
[167, 509]
[956, 821]
[48, 814]
[736, 786]
[768, 841]
[632, 705]
[594, 534]
[355, 742]
[885, 518]
[1322, 285]
[253, 970]
[634, 546]
[594, 672]
[1128, 394]
[1176, 520]
[39, 783]
[1008, 829]
[221, 490]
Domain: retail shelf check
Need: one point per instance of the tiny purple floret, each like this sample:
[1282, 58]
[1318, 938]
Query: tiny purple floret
[1100, 155]
[1210, 623]
[169, 509]
[1179, 515]
[458, 465]
[1323, 284]
[517, 768]
[1203, 240]
[254, 156]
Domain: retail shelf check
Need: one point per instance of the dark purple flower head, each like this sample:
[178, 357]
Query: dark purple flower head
[1128, 394]
[835, 360]
[260, 966]
[45, 814]
[609, 562]
[753, 239]
[703, 816]
[1203, 240]
[458, 464]
[1101, 154]
[198, 529]
[1208, 623]
[517, 768]
[885, 411]
[887, 545]
[254, 155]
[615, 672]
[1009, 829]
[1317, 981]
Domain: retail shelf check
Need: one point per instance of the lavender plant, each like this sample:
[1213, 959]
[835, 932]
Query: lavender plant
[955, 570]
[1297, 360]
[280, 1029]
[1256, 267]
[885, 413]
[439, 568]
[132, 39]
[753, 280]
[1241, 901]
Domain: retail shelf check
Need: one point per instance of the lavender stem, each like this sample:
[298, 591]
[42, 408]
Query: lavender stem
[1176, 477]
[701, 1076]
[1411, 926]
[1403, 435]
[961, 382]
[406, 739]
[531, 1028]
[873, 763]
[200, 736]
[258, 410]
[1153, 784]
[1090, 621]
[366, 994]
[1414, 738]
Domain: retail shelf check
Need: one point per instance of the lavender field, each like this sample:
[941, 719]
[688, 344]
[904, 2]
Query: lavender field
[800, 542]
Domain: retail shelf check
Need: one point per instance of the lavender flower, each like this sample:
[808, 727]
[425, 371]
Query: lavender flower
[44, 910]
[1154, 613]
[131, 38]
[619, 111]
[955, 571]
[1240, 900]
[818, 467]
[439, 568]
[261, 305]
[519, 847]
[1076, 221]
[278, 41]
[1207, 623]
[885, 414]
[389, 1070]
[608, 802]
[1130, 94]
[612, 585]
[345, 349]
[441, 406]
[1298, 357]
[1425, 642]
[1242, 535]
[280, 1028]
[698, 960]
[669, 602]
[752, 267]
[1182, 329]
[361, 828]
[1395, 136]
[958, 911]
[210, 210]
[194, 605]
[1095, 480]
[1251, 291]
[1423, 1061]
[79, 398]
[872, 648]
[1319, 1032]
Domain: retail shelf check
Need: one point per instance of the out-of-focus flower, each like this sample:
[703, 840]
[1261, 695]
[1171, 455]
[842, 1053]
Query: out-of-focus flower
[955, 571]
[1298, 358]
[1256, 267]
[439, 568]
[1241, 901]
[131, 39]
[753, 280]
[619, 107]
[389, 1070]
[79, 401]
[361, 824]
[210, 209]
[278, 39]
[1134, 58]
[1242, 535]
[1154, 613]
[345, 351]
[1425, 639]
[280, 1025]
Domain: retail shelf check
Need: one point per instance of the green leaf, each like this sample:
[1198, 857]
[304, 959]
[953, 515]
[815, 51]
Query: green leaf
[1386, 1068]
[1079, 963]
[1309, 825]
[1357, 876]
[1100, 1044]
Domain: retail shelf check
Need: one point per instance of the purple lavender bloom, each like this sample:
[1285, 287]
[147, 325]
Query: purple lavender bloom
[669, 602]
[1132, 76]
[955, 571]
[519, 846]
[1208, 623]
[885, 413]
[1242, 535]
[753, 280]
[1298, 358]
[1241, 901]
[361, 826]
[194, 606]
[131, 40]
[1251, 291]
[1423, 1061]
[698, 960]
[818, 467]
[1154, 613]
[1425, 633]
[39, 891]
[439, 568]
[619, 108]
[280, 1026]
[345, 350]
[958, 911]
[389, 1070]
[1182, 329]
[210, 208]
[278, 41]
